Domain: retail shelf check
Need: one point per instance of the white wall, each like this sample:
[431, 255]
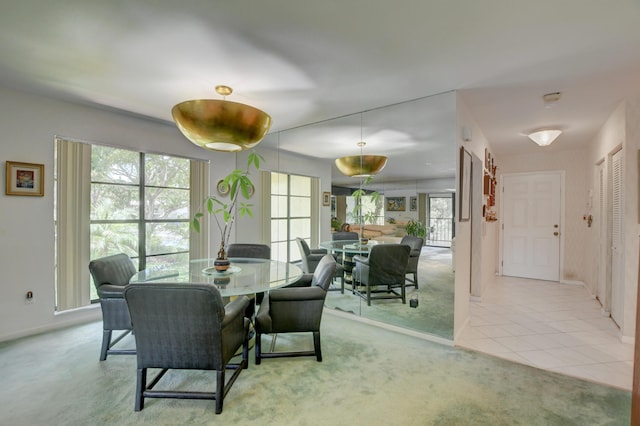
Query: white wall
[475, 263]
[29, 124]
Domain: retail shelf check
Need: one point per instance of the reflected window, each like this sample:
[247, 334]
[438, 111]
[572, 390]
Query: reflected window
[290, 214]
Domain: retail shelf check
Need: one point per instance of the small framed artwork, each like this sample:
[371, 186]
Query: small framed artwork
[25, 179]
[326, 198]
[413, 204]
[396, 204]
[465, 185]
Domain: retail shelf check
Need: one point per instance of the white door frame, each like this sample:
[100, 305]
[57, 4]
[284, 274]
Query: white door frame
[562, 175]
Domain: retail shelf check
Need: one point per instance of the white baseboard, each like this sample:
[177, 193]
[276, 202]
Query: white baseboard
[389, 327]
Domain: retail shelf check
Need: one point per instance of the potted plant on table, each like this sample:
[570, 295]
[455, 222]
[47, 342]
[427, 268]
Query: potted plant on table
[236, 184]
[358, 213]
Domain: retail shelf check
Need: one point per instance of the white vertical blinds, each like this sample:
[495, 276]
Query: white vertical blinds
[199, 185]
[73, 187]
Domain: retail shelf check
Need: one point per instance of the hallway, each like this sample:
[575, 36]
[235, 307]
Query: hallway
[556, 327]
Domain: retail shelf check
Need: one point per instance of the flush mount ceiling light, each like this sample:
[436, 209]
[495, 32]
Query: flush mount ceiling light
[221, 125]
[544, 137]
[361, 165]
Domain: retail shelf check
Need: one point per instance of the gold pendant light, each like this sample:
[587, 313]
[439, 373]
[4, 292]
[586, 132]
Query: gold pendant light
[221, 125]
[361, 165]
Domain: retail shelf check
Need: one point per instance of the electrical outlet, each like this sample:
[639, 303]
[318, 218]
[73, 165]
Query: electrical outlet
[29, 298]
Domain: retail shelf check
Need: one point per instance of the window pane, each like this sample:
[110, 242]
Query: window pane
[279, 251]
[301, 228]
[162, 203]
[166, 171]
[279, 230]
[167, 237]
[168, 261]
[294, 251]
[278, 206]
[114, 165]
[300, 206]
[300, 185]
[111, 238]
[279, 184]
[114, 202]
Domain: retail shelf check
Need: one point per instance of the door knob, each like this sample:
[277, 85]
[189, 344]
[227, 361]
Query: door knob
[555, 233]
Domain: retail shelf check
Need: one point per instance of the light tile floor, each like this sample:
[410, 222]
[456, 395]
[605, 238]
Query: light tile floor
[556, 327]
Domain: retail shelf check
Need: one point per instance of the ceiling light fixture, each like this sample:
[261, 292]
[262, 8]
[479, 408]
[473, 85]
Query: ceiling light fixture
[544, 137]
[361, 165]
[221, 125]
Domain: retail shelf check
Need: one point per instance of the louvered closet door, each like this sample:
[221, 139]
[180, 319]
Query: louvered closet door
[617, 237]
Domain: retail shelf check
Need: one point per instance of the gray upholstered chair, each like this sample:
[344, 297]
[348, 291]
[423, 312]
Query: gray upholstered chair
[382, 272]
[311, 258]
[110, 276]
[416, 244]
[344, 235]
[252, 251]
[186, 326]
[296, 309]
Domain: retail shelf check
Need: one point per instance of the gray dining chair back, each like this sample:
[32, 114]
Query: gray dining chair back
[186, 326]
[254, 251]
[110, 276]
[415, 243]
[382, 273]
[344, 235]
[296, 309]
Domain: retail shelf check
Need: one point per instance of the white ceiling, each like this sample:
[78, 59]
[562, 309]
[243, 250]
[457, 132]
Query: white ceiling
[308, 61]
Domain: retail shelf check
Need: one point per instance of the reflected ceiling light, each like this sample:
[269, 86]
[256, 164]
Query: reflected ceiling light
[361, 165]
[544, 137]
[221, 125]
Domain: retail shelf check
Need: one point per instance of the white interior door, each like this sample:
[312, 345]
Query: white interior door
[531, 225]
[617, 237]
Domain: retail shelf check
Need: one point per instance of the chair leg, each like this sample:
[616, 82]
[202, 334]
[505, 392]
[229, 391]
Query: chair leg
[316, 345]
[258, 348]
[219, 390]
[140, 388]
[415, 279]
[245, 351]
[106, 342]
[404, 293]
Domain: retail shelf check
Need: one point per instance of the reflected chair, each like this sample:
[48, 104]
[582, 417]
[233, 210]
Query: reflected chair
[416, 244]
[311, 258]
[296, 309]
[344, 235]
[186, 326]
[383, 271]
[110, 276]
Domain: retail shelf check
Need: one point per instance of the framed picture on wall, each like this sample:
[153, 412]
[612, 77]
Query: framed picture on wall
[25, 179]
[413, 204]
[465, 185]
[396, 204]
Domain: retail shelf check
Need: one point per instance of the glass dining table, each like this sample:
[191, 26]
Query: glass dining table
[346, 250]
[244, 276]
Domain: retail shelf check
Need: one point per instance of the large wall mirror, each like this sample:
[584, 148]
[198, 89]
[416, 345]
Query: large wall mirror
[418, 183]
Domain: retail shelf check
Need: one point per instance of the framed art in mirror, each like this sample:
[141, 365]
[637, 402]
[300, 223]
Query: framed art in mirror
[24, 179]
[396, 204]
[465, 185]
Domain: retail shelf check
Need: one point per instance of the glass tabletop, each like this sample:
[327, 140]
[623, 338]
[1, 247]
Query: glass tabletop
[245, 276]
[349, 246]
